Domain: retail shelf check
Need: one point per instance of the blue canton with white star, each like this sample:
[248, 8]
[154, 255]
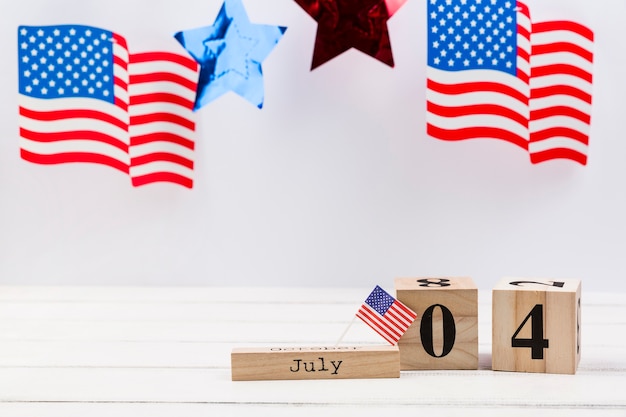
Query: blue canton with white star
[380, 300]
[65, 61]
[472, 34]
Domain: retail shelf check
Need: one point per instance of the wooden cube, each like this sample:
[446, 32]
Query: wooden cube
[274, 363]
[536, 325]
[445, 333]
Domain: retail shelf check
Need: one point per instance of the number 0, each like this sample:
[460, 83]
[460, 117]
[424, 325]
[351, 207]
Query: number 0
[426, 331]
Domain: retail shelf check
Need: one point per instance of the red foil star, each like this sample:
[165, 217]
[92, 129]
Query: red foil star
[345, 24]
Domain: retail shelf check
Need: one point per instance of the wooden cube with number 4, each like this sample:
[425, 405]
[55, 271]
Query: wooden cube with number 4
[445, 333]
[536, 325]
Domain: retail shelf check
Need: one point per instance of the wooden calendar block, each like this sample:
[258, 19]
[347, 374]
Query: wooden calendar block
[536, 325]
[255, 364]
[445, 333]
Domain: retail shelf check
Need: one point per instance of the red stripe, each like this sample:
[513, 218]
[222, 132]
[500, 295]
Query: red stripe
[564, 25]
[384, 323]
[119, 61]
[476, 133]
[523, 53]
[161, 156]
[409, 313]
[376, 319]
[162, 177]
[164, 56]
[559, 132]
[389, 338]
[164, 137]
[55, 115]
[161, 98]
[68, 157]
[560, 111]
[163, 76]
[73, 135]
[400, 322]
[563, 47]
[120, 40]
[558, 153]
[454, 89]
[523, 31]
[162, 117]
[561, 69]
[120, 83]
[477, 109]
[523, 8]
[562, 90]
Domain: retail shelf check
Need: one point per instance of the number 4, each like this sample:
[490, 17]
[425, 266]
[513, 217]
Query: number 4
[537, 343]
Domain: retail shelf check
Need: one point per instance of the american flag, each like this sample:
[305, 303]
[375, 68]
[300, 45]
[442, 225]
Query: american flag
[83, 97]
[386, 315]
[492, 73]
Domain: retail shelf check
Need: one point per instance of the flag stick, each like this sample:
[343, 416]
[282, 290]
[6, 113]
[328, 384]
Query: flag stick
[345, 331]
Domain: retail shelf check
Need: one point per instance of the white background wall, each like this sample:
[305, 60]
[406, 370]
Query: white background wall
[334, 182]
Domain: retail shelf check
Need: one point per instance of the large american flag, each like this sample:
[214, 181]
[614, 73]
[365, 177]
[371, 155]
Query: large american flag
[386, 315]
[84, 98]
[492, 73]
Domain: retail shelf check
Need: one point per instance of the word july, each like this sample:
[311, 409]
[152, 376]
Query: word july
[317, 362]
[311, 368]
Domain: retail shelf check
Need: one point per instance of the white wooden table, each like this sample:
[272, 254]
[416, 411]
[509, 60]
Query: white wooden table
[91, 352]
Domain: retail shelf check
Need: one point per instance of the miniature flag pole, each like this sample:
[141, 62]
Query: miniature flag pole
[345, 332]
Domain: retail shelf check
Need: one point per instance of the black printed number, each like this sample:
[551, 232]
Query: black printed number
[536, 342]
[434, 282]
[426, 331]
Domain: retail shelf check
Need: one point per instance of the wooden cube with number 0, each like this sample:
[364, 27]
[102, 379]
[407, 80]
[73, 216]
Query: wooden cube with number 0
[445, 333]
[536, 325]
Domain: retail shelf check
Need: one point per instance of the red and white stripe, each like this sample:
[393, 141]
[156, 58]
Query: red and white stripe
[392, 325]
[162, 91]
[561, 91]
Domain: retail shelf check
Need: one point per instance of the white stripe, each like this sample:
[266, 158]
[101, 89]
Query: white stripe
[388, 321]
[160, 146]
[453, 123]
[66, 146]
[543, 60]
[561, 79]
[160, 127]
[72, 103]
[120, 51]
[406, 319]
[401, 323]
[160, 166]
[559, 121]
[524, 21]
[470, 76]
[148, 67]
[138, 89]
[153, 108]
[389, 338]
[557, 142]
[553, 36]
[72, 125]
[478, 97]
[121, 94]
[560, 100]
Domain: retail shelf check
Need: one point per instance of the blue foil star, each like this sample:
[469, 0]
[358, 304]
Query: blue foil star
[230, 53]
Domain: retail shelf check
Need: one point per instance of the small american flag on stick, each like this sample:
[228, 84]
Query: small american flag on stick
[386, 315]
